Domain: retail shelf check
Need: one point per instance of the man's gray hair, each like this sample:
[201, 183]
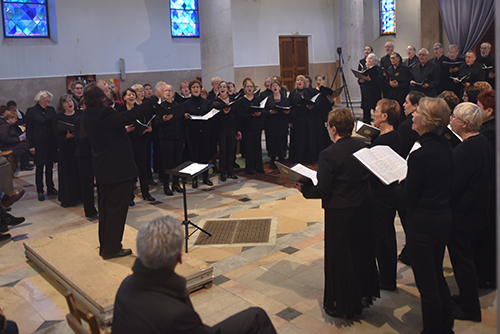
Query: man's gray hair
[159, 242]
[439, 45]
[425, 50]
[453, 47]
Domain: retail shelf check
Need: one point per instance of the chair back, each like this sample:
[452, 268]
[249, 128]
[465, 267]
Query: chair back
[76, 316]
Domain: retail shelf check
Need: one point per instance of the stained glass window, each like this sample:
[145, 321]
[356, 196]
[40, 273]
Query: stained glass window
[25, 18]
[184, 18]
[387, 17]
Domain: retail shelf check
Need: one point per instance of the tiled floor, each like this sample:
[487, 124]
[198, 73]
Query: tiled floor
[286, 279]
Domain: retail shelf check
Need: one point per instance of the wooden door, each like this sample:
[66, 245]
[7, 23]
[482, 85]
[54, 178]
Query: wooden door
[294, 59]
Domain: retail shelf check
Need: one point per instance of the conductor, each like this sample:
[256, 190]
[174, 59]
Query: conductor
[113, 161]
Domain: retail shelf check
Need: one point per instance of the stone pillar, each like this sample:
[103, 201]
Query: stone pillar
[216, 41]
[352, 41]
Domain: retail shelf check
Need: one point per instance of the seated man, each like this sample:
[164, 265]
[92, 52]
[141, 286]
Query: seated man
[154, 299]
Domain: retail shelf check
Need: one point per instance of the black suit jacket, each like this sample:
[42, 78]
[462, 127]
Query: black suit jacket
[40, 133]
[342, 181]
[111, 147]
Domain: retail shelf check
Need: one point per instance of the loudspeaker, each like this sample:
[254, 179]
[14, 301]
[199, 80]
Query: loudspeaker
[123, 75]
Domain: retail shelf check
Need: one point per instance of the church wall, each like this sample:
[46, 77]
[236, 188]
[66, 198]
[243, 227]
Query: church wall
[93, 35]
[258, 24]
[407, 27]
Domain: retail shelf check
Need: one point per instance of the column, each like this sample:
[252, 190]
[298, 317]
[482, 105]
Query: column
[216, 41]
[352, 41]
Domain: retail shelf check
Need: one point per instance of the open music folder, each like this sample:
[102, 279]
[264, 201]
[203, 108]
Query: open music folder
[383, 162]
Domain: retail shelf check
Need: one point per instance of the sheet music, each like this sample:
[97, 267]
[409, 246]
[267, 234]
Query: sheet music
[307, 172]
[205, 117]
[193, 168]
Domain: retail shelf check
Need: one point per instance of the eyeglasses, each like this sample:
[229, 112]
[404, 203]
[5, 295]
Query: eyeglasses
[327, 125]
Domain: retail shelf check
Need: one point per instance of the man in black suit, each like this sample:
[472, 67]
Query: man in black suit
[398, 83]
[412, 58]
[488, 60]
[449, 84]
[362, 62]
[154, 299]
[472, 70]
[385, 63]
[443, 69]
[113, 161]
[425, 75]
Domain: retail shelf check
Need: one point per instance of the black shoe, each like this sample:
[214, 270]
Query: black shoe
[93, 216]
[41, 197]
[167, 191]
[177, 188]
[11, 220]
[249, 172]
[208, 182]
[261, 171]
[152, 183]
[4, 237]
[273, 165]
[404, 259]
[235, 165]
[461, 315]
[52, 192]
[195, 183]
[223, 176]
[232, 176]
[4, 228]
[131, 203]
[149, 198]
[388, 287]
[27, 167]
[121, 253]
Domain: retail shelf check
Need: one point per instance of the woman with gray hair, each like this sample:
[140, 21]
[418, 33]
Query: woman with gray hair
[371, 87]
[428, 223]
[41, 136]
[470, 203]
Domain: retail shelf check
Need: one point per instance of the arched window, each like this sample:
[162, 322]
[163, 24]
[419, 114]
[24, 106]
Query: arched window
[25, 18]
[387, 17]
[184, 18]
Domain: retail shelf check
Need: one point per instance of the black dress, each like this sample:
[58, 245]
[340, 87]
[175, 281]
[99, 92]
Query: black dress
[384, 212]
[67, 171]
[251, 131]
[276, 128]
[371, 92]
[351, 280]
[198, 132]
[470, 203]
[402, 75]
[427, 189]
[226, 125]
[40, 134]
[303, 144]
[171, 135]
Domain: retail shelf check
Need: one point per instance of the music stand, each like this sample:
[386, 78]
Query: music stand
[176, 172]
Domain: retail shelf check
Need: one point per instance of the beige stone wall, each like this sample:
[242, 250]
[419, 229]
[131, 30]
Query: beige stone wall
[24, 90]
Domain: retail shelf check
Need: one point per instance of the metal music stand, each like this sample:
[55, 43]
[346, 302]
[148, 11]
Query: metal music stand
[343, 81]
[184, 176]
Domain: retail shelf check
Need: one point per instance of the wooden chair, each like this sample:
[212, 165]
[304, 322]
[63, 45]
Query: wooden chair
[10, 157]
[76, 316]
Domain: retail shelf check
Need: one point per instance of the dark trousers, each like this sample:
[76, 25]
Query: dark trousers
[384, 213]
[141, 153]
[253, 149]
[250, 321]
[462, 259]
[48, 176]
[86, 174]
[367, 115]
[113, 209]
[276, 142]
[227, 144]
[199, 146]
[171, 157]
[426, 251]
